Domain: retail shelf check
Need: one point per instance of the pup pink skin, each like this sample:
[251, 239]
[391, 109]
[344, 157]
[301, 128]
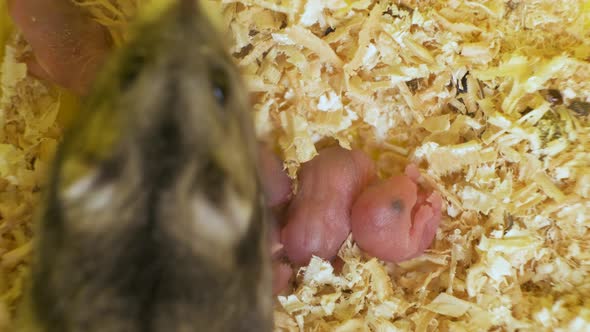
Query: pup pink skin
[396, 220]
[318, 218]
[275, 182]
[282, 273]
[277, 189]
[69, 47]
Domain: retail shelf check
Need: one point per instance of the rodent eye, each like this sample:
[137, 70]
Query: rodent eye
[132, 67]
[219, 85]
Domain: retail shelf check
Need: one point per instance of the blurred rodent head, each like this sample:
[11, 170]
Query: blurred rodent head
[153, 218]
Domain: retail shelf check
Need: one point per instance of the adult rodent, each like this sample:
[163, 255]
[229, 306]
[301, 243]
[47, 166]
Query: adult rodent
[153, 218]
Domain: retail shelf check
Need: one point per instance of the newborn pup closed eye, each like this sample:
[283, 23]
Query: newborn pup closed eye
[395, 219]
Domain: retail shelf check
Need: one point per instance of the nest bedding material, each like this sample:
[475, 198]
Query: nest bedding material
[490, 98]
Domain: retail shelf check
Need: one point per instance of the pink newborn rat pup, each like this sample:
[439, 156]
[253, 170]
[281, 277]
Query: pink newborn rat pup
[395, 219]
[69, 46]
[318, 219]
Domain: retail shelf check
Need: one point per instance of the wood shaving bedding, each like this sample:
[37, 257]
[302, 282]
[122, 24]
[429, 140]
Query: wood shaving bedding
[490, 98]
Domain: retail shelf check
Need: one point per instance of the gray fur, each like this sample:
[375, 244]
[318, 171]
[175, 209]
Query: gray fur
[124, 253]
